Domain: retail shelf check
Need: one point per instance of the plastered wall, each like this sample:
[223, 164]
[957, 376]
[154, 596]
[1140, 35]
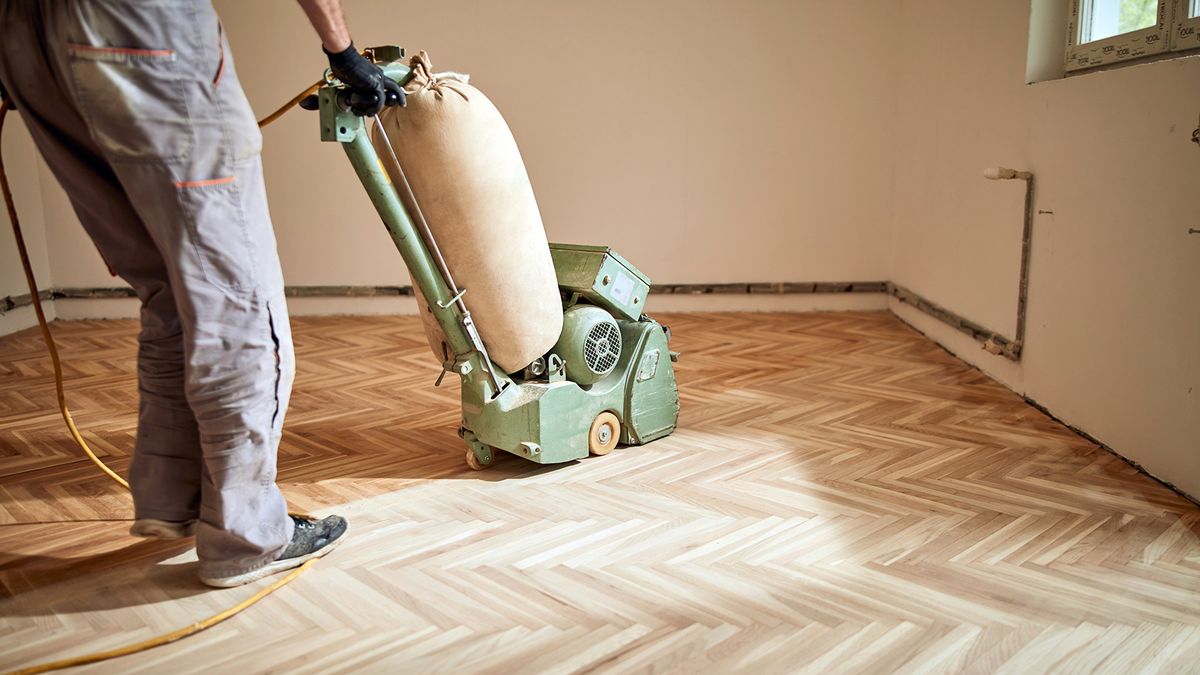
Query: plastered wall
[1113, 337]
[709, 141]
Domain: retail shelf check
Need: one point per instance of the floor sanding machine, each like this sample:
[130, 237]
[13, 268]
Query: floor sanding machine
[609, 379]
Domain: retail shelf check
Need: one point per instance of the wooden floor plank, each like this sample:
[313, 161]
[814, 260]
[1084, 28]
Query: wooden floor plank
[841, 495]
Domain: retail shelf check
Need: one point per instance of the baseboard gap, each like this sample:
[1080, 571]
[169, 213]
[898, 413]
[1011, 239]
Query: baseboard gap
[1092, 439]
[1048, 413]
[12, 302]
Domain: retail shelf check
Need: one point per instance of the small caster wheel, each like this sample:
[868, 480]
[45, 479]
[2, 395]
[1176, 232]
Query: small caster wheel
[474, 463]
[603, 436]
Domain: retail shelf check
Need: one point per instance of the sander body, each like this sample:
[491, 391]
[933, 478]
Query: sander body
[608, 379]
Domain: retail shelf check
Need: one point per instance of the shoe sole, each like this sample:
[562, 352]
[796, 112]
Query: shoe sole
[271, 568]
[161, 529]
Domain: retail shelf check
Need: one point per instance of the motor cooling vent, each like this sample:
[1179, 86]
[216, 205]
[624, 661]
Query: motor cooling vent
[602, 347]
[590, 344]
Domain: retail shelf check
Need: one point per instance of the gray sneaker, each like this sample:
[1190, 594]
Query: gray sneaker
[310, 539]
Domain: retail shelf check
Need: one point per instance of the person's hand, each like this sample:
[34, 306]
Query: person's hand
[4, 95]
[371, 89]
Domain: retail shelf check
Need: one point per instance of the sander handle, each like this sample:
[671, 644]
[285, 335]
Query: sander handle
[358, 101]
[351, 100]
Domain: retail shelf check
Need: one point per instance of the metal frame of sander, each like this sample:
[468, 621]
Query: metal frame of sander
[609, 378]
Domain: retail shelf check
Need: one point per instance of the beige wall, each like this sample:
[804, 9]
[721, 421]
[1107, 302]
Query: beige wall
[21, 168]
[1113, 341]
[708, 141]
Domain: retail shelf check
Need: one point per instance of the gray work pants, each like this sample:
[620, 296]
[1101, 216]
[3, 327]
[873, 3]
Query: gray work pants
[137, 109]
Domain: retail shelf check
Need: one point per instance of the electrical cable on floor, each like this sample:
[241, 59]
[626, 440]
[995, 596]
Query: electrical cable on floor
[41, 316]
[60, 389]
[169, 637]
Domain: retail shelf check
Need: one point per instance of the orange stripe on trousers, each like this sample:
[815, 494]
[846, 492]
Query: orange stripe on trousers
[123, 50]
[203, 183]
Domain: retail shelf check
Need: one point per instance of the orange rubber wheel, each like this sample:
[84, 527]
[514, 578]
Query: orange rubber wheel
[604, 434]
[477, 464]
[473, 461]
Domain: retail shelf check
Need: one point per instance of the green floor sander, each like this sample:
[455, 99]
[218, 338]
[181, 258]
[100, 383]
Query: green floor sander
[608, 380]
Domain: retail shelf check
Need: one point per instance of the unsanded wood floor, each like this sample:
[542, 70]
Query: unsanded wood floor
[841, 495]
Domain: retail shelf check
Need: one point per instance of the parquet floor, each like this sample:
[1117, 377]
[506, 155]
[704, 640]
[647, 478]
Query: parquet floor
[842, 496]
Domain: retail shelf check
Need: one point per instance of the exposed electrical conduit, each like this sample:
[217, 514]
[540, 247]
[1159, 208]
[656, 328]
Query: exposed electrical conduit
[992, 341]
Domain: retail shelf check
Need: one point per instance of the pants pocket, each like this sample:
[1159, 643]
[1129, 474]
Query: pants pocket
[214, 215]
[134, 101]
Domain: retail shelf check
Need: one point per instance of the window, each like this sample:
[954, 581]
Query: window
[1100, 19]
[1108, 31]
[1186, 33]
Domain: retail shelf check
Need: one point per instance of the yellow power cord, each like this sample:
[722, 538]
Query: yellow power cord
[66, 415]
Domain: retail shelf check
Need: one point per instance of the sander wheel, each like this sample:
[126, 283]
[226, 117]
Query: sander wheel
[474, 463]
[604, 434]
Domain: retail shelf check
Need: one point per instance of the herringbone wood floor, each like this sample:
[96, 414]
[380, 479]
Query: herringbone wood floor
[842, 495]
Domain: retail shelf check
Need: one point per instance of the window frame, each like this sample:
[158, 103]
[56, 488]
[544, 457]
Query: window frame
[1124, 47]
[1185, 30]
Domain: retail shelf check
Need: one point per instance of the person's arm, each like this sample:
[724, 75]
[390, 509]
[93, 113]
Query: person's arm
[372, 88]
[327, 19]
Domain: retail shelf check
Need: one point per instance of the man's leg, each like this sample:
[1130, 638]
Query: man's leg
[157, 88]
[165, 474]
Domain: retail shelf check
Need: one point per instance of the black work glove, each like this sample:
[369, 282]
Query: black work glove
[4, 96]
[370, 88]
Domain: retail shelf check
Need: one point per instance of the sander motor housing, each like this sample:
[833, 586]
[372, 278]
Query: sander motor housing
[611, 360]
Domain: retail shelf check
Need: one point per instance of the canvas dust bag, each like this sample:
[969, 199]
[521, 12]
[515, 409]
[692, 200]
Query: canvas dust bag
[468, 177]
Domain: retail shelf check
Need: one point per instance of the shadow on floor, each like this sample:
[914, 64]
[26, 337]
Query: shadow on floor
[313, 452]
[137, 574]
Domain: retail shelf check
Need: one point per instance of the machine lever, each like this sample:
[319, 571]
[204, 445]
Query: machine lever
[453, 300]
[310, 102]
[464, 319]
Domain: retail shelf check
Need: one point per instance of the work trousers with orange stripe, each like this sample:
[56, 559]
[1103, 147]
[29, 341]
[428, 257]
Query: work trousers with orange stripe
[138, 111]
